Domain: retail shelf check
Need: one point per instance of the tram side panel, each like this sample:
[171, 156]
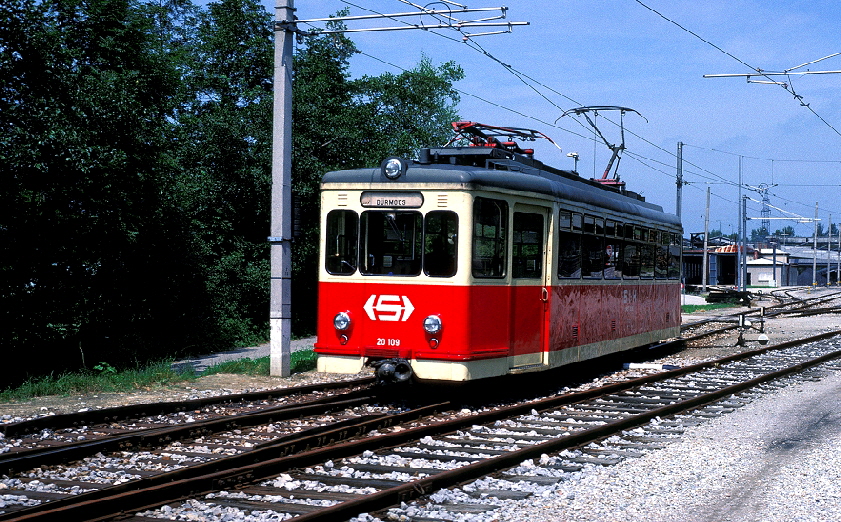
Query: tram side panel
[588, 321]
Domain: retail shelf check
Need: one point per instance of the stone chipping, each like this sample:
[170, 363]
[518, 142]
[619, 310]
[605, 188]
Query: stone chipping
[777, 458]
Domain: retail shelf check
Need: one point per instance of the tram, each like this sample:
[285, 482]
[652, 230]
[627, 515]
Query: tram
[476, 260]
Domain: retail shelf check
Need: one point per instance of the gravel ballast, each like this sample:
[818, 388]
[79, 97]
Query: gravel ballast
[778, 458]
[775, 459]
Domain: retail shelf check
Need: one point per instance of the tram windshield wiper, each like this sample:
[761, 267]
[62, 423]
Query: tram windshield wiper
[391, 218]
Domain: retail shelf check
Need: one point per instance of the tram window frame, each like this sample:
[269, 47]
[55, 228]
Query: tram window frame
[380, 256]
[440, 244]
[661, 255]
[630, 254]
[592, 248]
[675, 252]
[341, 253]
[646, 254]
[610, 227]
[613, 250]
[527, 253]
[568, 258]
[490, 238]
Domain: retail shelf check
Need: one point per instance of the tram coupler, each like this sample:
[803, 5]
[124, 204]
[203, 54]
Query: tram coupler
[391, 371]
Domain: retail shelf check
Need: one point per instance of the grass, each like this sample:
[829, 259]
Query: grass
[105, 378]
[102, 378]
[688, 309]
[302, 361]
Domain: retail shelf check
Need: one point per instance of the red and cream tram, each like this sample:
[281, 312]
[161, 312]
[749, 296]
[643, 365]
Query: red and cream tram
[478, 261]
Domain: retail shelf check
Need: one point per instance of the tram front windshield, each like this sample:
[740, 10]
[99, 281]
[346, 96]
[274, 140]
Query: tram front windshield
[394, 243]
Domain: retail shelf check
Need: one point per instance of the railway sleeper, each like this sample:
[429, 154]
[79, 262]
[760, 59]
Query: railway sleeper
[584, 459]
[40, 495]
[642, 400]
[563, 425]
[335, 480]
[653, 441]
[312, 495]
[206, 455]
[293, 508]
[66, 484]
[712, 412]
[517, 437]
[485, 441]
[468, 448]
[527, 429]
[624, 443]
[662, 393]
[582, 419]
[461, 508]
[536, 479]
[501, 494]
[621, 452]
[378, 468]
[615, 408]
[566, 467]
[438, 457]
[656, 428]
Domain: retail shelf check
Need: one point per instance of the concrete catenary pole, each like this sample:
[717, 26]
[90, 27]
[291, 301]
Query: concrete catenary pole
[829, 251]
[838, 271]
[280, 313]
[705, 255]
[679, 195]
[741, 242]
[815, 250]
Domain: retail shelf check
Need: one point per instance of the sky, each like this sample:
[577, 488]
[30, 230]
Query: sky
[650, 56]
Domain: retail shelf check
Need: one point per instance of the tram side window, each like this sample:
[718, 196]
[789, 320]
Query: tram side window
[569, 245]
[630, 255]
[612, 249]
[674, 256]
[440, 243]
[391, 243]
[646, 249]
[661, 251]
[342, 242]
[592, 247]
[527, 259]
[490, 224]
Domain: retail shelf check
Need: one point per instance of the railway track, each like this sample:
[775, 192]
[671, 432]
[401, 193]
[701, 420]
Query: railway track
[366, 463]
[788, 306]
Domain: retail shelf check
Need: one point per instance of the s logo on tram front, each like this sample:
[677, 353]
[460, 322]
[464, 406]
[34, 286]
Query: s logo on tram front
[388, 308]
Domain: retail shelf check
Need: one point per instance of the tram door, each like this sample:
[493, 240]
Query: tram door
[529, 296]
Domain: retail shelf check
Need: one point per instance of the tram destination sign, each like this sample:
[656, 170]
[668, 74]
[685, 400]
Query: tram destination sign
[392, 199]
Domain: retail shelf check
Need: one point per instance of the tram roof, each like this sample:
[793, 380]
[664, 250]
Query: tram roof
[506, 174]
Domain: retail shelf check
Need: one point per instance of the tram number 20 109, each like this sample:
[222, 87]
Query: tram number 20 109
[388, 342]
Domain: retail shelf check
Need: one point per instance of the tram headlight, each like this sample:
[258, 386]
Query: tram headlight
[393, 167]
[341, 321]
[432, 324]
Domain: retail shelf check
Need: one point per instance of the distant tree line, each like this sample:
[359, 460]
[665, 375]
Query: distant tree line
[760, 234]
[135, 146]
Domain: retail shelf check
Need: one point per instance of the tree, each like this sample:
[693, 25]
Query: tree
[135, 153]
[758, 234]
[787, 231]
[82, 105]
[340, 123]
[223, 133]
[412, 109]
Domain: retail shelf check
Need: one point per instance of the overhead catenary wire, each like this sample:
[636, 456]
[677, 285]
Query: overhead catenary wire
[786, 86]
[536, 87]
